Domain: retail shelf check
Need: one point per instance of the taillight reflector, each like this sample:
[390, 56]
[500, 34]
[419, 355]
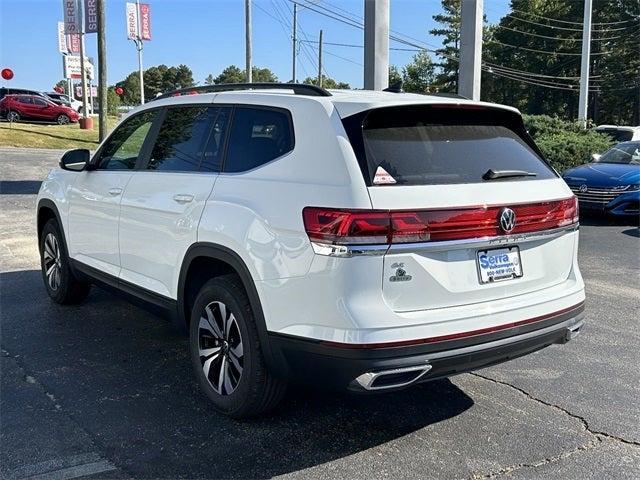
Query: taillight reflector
[344, 227]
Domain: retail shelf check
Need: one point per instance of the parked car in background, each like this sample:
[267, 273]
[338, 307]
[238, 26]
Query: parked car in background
[620, 133]
[35, 107]
[611, 182]
[64, 99]
[21, 91]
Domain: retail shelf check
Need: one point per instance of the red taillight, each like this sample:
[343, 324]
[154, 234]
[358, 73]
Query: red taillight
[347, 226]
[343, 227]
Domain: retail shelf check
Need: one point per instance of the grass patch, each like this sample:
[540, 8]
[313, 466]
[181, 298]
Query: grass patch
[62, 137]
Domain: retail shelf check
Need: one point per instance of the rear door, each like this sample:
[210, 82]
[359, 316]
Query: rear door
[164, 200]
[433, 164]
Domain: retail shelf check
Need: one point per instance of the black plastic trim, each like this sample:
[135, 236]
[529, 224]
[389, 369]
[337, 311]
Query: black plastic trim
[165, 306]
[304, 359]
[228, 256]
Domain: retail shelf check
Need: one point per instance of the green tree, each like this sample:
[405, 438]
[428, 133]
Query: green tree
[263, 75]
[65, 86]
[395, 76]
[327, 82]
[447, 78]
[550, 58]
[233, 74]
[113, 101]
[209, 80]
[418, 75]
[157, 80]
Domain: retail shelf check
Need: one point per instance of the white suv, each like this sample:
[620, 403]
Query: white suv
[360, 240]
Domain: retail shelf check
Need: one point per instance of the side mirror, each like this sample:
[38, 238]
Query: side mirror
[75, 160]
[595, 157]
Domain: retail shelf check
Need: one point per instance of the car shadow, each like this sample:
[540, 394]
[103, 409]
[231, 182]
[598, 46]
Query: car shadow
[125, 376]
[19, 187]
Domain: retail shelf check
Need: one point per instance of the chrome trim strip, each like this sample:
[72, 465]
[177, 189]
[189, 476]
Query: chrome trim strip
[366, 379]
[518, 238]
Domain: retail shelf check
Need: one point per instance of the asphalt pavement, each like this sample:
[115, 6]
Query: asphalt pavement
[105, 389]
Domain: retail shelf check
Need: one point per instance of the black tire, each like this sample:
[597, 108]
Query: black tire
[64, 288]
[63, 119]
[13, 116]
[256, 390]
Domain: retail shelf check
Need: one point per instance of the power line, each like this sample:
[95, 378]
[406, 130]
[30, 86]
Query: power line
[524, 77]
[570, 22]
[558, 38]
[545, 51]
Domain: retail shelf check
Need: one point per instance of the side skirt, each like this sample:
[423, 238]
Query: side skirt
[158, 304]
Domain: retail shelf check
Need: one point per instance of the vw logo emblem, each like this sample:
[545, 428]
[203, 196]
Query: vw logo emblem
[507, 220]
[583, 188]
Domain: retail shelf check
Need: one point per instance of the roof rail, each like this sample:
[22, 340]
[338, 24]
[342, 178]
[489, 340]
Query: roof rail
[298, 89]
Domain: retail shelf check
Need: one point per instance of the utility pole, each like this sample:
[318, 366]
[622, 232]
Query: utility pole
[247, 19]
[583, 102]
[320, 60]
[471, 20]
[83, 66]
[139, 48]
[376, 44]
[295, 41]
[102, 69]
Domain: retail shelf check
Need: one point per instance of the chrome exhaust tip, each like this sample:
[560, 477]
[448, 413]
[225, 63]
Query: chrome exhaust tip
[571, 332]
[394, 378]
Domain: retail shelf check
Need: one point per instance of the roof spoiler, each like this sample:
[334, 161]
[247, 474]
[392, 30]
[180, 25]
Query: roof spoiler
[298, 89]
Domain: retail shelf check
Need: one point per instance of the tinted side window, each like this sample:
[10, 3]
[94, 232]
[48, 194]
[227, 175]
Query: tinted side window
[257, 137]
[121, 150]
[25, 100]
[39, 102]
[190, 139]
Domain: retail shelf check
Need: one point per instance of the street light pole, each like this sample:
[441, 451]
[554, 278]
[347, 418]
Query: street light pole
[295, 42]
[139, 48]
[102, 69]
[583, 102]
[248, 46]
[471, 19]
[83, 72]
[320, 60]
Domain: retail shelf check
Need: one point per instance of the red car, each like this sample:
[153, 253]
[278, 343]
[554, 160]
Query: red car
[34, 107]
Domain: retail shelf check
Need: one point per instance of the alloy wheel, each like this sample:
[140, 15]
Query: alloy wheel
[52, 261]
[220, 348]
[63, 120]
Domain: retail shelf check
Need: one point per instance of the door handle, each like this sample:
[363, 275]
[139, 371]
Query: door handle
[115, 191]
[183, 198]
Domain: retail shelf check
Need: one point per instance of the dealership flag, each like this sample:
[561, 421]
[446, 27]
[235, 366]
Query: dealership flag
[145, 21]
[62, 39]
[73, 43]
[90, 16]
[71, 17]
[132, 21]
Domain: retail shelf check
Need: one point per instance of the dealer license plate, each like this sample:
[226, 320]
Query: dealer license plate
[499, 264]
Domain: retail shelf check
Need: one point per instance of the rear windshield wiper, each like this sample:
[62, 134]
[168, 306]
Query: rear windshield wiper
[492, 174]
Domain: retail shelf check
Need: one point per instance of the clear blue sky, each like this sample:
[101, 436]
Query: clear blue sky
[208, 35]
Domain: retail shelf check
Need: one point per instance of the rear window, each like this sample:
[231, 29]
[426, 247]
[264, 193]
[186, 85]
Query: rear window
[430, 145]
[617, 135]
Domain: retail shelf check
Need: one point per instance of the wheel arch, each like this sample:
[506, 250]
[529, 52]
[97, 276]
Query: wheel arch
[48, 210]
[227, 261]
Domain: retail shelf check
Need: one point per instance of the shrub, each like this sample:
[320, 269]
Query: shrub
[565, 144]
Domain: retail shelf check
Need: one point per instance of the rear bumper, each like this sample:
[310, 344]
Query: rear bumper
[364, 368]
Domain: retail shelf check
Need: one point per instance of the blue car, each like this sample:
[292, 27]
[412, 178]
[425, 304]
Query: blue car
[611, 183]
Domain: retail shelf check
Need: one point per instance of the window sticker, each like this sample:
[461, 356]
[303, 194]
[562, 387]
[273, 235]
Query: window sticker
[382, 177]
